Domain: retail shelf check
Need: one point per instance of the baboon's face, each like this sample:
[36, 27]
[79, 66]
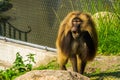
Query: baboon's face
[76, 26]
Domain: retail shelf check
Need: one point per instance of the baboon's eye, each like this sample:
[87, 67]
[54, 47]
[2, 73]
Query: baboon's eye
[77, 20]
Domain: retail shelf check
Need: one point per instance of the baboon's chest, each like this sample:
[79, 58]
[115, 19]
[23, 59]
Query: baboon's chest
[77, 46]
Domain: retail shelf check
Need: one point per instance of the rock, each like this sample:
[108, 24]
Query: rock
[104, 17]
[52, 75]
[9, 50]
[4, 65]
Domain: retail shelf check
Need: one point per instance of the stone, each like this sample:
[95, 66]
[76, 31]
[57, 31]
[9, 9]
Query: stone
[52, 75]
[104, 17]
[9, 50]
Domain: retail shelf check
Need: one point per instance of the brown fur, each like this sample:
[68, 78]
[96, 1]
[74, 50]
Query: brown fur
[80, 50]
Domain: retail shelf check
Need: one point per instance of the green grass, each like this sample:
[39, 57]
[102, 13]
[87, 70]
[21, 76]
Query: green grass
[51, 65]
[109, 36]
[110, 74]
[109, 33]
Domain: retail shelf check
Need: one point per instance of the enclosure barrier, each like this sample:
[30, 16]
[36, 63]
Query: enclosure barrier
[7, 29]
[28, 44]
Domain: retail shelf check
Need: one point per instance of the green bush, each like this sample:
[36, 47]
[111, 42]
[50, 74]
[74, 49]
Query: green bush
[109, 36]
[18, 67]
[109, 32]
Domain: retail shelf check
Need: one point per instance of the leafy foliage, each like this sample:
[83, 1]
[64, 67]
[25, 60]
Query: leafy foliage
[109, 32]
[18, 67]
[5, 5]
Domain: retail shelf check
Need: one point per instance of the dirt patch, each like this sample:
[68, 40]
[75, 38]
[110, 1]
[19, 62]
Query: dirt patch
[103, 63]
[104, 68]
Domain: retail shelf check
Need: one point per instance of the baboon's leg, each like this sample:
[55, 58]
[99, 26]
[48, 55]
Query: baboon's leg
[73, 60]
[78, 64]
[83, 65]
[62, 60]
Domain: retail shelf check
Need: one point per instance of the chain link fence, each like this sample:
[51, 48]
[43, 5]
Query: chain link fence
[44, 16]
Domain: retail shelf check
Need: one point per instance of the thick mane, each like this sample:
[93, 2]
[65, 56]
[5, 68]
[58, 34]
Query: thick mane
[63, 38]
[66, 43]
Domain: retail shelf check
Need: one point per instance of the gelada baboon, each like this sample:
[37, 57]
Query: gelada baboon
[77, 40]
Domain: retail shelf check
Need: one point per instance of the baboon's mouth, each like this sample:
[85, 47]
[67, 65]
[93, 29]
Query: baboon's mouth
[75, 34]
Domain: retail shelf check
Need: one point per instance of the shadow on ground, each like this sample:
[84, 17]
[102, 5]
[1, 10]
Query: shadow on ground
[101, 76]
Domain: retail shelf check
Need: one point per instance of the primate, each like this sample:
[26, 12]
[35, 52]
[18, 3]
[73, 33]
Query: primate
[77, 41]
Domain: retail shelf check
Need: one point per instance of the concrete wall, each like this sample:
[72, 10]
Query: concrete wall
[8, 52]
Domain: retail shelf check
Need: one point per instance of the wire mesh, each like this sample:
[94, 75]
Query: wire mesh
[44, 16]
